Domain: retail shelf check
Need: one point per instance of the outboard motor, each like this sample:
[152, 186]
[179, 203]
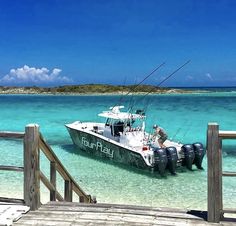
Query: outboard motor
[199, 154]
[189, 155]
[172, 158]
[160, 160]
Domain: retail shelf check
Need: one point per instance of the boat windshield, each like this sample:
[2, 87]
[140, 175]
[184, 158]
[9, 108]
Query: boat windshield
[123, 121]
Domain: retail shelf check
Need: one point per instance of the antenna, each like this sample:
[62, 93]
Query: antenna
[166, 79]
[131, 90]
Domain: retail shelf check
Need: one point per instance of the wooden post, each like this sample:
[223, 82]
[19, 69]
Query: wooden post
[53, 180]
[31, 167]
[81, 199]
[68, 191]
[214, 160]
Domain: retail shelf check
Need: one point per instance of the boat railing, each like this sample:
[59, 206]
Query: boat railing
[33, 144]
[215, 173]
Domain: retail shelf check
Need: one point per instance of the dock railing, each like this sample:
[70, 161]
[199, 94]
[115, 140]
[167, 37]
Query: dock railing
[33, 144]
[215, 173]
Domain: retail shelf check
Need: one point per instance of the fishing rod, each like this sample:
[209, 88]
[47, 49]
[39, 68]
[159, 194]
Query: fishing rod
[187, 130]
[131, 98]
[132, 90]
[176, 133]
[146, 77]
[158, 85]
[185, 133]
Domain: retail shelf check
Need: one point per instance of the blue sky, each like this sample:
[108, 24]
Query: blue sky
[57, 42]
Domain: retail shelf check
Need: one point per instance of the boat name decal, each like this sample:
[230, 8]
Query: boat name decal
[98, 146]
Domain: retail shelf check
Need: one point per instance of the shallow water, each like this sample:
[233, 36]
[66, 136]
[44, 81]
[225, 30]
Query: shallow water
[184, 117]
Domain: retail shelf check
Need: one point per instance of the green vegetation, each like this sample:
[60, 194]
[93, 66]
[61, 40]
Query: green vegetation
[99, 88]
[88, 89]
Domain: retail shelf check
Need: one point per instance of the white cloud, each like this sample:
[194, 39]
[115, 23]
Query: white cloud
[34, 76]
[208, 75]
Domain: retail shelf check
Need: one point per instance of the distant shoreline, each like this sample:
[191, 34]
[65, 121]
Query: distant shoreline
[16, 92]
[97, 89]
[103, 89]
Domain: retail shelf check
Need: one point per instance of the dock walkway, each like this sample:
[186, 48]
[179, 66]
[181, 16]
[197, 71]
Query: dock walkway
[67, 213]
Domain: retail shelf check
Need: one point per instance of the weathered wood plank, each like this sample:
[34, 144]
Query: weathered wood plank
[53, 180]
[229, 174]
[12, 135]
[61, 169]
[11, 200]
[117, 218]
[113, 206]
[126, 209]
[12, 168]
[68, 191]
[81, 199]
[31, 167]
[214, 160]
[226, 210]
[46, 150]
[50, 186]
[84, 215]
[76, 188]
[119, 221]
[118, 212]
[227, 134]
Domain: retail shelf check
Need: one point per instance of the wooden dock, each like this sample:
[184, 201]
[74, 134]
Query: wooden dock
[61, 210]
[67, 213]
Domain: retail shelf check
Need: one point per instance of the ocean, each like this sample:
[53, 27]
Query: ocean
[184, 117]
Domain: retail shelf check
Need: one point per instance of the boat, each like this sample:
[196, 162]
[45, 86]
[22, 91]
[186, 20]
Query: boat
[122, 138]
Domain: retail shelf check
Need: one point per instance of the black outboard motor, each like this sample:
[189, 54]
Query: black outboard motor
[172, 158]
[160, 160]
[189, 155]
[199, 154]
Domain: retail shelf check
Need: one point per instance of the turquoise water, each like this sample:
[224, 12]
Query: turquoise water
[184, 116]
